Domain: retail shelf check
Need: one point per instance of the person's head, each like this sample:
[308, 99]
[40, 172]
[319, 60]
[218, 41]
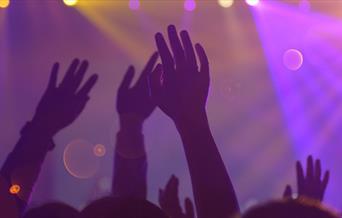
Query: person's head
[111, 207]
[52, 210]
[290, 208]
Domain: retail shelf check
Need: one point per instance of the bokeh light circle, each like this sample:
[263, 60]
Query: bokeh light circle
[14, 189]
[189, 5]
[70, 2]
[252, 2]
[226, 3]
[79, 159]
[4, 3]
[99, 150]
[293, 59]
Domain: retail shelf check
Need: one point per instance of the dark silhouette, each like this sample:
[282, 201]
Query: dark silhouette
[52, 210]
[289, 208]
[134, 106]
[169, 201]
[180, 90]
[310, 185]
[57, 109]
[111, 207]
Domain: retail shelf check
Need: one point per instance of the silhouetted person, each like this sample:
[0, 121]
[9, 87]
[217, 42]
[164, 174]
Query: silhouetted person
[290, 208]
[182, 96]
[52, 210]
[58, 108]
[115, 207]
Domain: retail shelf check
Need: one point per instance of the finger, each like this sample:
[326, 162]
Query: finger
[70, 73]
[189, 49]
[161, 197]
[287, 192]
[176, 46]
[148, 69]
[309, 168]
[84, 91]
[172, 186]
[325, 180]
[155, 83]
[189, 208]
[318, 170]
[80, 74]
[126, 81]
[165, 55]
[53, 77]
[204, 63]
[300, 177]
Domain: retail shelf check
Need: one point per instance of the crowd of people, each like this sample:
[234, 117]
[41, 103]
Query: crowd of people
[179, 86]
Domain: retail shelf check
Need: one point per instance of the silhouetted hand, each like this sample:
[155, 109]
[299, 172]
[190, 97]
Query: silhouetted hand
[137, 99]
[62, 104]
[310, 185]
[169, 201]
[178, 87]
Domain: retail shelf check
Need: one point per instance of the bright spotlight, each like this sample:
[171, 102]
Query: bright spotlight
[4, 3]
[226, 3]
[134, 4]
[189, 5]
[70, 2]
[293, 59]
[252, 2]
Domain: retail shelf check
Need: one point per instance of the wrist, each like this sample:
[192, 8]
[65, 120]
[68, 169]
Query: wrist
[131, 122]
[192, 119]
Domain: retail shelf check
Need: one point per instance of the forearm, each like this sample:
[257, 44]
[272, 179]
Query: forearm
[213, 190]
[23, 164]
[130, 163]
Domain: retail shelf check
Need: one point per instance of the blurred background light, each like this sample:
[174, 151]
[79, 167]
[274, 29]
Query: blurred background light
[80, 160]
[14, 189]
[226, 3]
[189, 5]
[99, 150]
[4, 3]
[70, 2]
[293, 59]
[134, 4]
[252, 2]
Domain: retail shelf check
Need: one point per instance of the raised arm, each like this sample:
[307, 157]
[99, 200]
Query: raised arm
[134, 106]
[180, 89]
[310, 185]
[58, 108]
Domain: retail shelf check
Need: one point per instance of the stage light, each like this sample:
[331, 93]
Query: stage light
[14, 189]
[293, 59]
[134, 4]
[252, 2]
[189, 5]
[70, 2]
[226, 3]
[99, 150]
[4, 3]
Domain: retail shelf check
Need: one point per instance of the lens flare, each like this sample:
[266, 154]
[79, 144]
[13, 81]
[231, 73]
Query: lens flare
[99, 150]
[252, 2]
[293, 59]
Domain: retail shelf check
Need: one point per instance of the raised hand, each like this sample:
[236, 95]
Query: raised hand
[137, 99]
[310, 185]
[179, 88]
[169, 201]
[62, 104]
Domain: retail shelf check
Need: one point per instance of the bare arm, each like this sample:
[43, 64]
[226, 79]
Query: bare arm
[182, 96]
[134, 106]
[58, 108]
